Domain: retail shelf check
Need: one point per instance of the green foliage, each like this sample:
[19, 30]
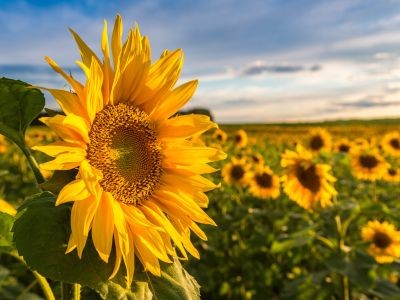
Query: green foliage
[41, 232]
[19, 105]
[6, 236]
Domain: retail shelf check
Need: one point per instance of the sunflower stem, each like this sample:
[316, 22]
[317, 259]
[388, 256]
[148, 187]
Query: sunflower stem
[77, 291]
[34, 165]
[47, 291]
[341, 230]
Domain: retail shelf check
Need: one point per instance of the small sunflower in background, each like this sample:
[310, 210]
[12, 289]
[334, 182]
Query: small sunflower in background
[343, 146]
[3, 144]
[360, 143]
[368, 164]
[391, 143]
[384, 239]
[392, 175]
[240, 138]
[236, 172]
[139, 187]
[264, 183]
[256, 158]
[305, 182]
[220, 136]
[319, 140]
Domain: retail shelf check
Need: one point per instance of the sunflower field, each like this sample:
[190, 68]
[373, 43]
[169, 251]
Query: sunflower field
[121, 196]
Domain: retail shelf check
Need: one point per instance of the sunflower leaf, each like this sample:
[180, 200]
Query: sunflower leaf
[174, 283]
[41, 232]
[19, 105]
[6, 222]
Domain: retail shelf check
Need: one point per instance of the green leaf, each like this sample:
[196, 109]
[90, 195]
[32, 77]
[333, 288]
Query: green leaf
[281, 246]
[174, 283]
[41, 233]
[6, 236]
[19, 106]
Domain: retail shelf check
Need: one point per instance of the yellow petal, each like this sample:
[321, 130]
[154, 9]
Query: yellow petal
[7, 208]
[185, 126]
[94, 95]
[86, 53]
[192, 155]
[60, 147]
[65, 161]
[76, 86]
[103, 228]
[116, 42]
[81, 218]
[74, 191]
[175, 101]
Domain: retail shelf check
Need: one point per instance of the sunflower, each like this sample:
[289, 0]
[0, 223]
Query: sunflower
[392, 175]
[305, 182]
[391, 143]
[220, 136]
[235, 172]
[139, 183]
[360, 143]
[264, 183]
[343, 146]
[256, 158]
[368, 164]
[240, 138]
[385, 241]
[319, 140]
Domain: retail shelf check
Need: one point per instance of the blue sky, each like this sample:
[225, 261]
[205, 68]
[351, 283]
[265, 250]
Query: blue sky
[257, 61]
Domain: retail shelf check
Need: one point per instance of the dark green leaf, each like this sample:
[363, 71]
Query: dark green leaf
[58, 181]
[19, 106]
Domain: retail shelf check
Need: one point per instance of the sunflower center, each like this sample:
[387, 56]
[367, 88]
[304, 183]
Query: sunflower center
[264, 180]
[381, 240]
[316, 142]
[219, 137]
[395, 143]
[237, 172]
[124, 146]
[344, 148]
[392, 172]
[368, 161]
[238, 138]
[309, 178]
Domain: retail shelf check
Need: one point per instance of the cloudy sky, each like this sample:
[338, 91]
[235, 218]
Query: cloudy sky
[257, 61]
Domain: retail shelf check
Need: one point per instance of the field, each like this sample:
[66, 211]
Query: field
[332, 234]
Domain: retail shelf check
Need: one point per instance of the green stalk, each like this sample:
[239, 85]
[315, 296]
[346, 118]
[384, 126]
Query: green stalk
[341, 245]
[77, 291]
[47, 291]
[34, 165]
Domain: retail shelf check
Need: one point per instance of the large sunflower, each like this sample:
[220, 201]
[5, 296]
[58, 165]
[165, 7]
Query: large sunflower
[385, 240]
[368, 164]
[391, 143]
[139, 182]
[264, 183]
[307, 183]
[319, 140]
